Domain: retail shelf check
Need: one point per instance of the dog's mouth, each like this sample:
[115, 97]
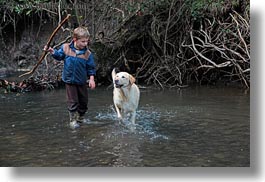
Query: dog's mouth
[118, 85]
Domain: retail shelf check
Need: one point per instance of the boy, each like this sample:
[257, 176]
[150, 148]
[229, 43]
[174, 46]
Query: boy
[78, 67]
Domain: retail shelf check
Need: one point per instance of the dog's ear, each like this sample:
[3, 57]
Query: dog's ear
[132, 79]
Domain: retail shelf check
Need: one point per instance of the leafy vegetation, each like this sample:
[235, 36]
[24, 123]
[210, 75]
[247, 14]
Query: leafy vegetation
[168, 43]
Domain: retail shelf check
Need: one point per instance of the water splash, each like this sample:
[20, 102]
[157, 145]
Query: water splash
[107, 115]
[147, 123]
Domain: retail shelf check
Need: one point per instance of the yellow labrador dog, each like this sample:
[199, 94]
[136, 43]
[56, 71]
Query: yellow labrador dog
[126, 94]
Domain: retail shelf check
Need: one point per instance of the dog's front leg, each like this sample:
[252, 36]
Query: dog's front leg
[118, 112]
[133, 117]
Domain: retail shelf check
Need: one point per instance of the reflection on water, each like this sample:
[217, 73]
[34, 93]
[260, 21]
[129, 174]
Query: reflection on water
[190, 127]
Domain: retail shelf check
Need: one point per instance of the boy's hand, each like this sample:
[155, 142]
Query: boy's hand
[51, 50]
[91, 82]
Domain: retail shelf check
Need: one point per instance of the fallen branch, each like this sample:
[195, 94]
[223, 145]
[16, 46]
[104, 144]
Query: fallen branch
[48, 44]
[207, 59]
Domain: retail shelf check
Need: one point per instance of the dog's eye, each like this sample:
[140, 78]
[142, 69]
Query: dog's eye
[123, 76]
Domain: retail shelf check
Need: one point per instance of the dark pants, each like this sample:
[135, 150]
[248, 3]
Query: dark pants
[77, 98]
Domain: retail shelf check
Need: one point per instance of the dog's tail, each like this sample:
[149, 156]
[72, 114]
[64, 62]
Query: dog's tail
[113, 74]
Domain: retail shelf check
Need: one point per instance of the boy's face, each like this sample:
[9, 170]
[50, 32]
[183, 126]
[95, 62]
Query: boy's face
[81, 43]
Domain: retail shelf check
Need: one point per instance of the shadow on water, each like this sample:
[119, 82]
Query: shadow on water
[191, 127]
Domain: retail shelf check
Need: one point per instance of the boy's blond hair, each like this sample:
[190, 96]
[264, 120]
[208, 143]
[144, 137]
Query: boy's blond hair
[81, 32]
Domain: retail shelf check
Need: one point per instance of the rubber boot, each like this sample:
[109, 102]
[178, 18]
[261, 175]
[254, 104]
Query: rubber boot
[82, 120]
[73, 120]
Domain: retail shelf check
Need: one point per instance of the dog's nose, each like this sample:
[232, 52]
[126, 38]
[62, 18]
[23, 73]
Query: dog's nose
[116, 81]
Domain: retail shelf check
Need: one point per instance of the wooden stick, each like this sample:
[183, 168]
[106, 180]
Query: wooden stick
[48, 45]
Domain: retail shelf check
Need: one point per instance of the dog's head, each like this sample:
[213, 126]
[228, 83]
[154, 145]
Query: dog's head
[123, 79]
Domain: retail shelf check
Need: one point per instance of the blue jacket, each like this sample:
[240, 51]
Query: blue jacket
[78, 64]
